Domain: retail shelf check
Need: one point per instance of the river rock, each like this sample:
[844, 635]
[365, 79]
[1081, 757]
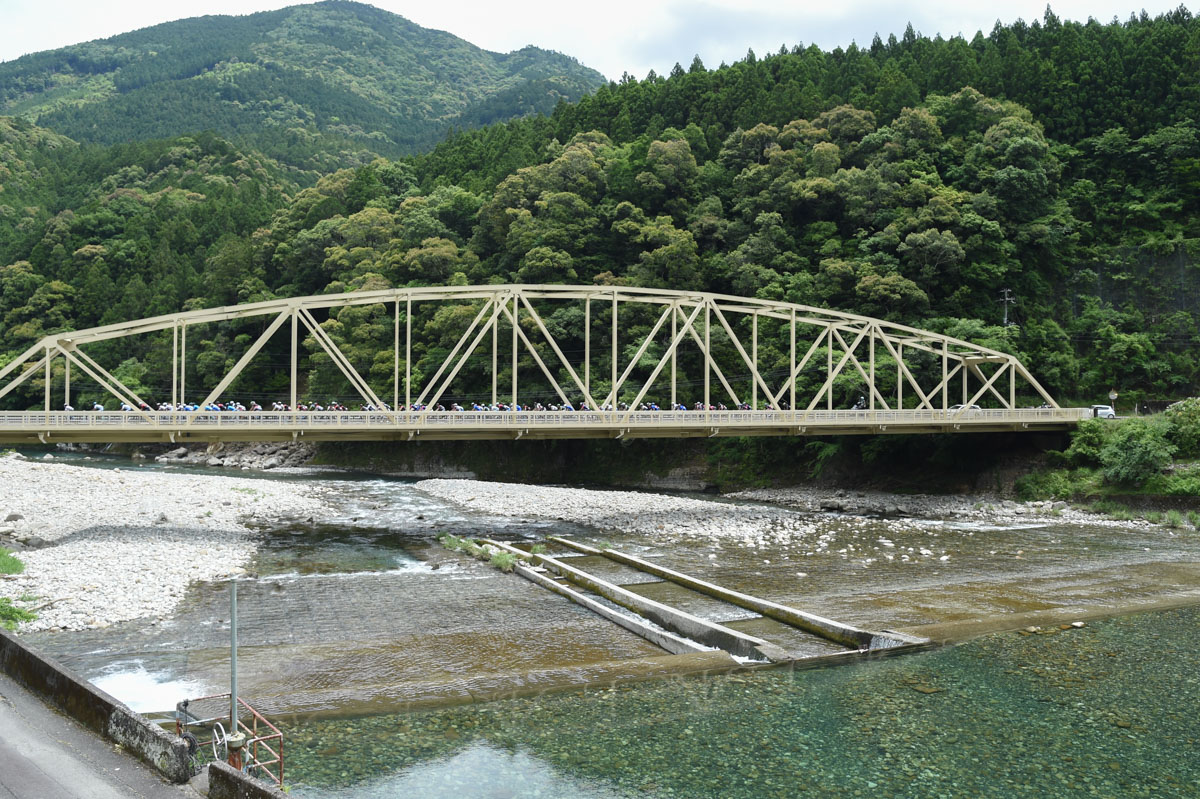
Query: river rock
[100, 544]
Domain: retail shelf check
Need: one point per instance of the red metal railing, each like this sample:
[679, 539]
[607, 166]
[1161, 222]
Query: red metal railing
[262, 753]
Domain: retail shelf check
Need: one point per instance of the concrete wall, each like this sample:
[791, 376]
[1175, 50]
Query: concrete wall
[59, 687]
[226, 782]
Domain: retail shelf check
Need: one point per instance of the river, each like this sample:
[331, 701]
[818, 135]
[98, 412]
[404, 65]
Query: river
[388, 661]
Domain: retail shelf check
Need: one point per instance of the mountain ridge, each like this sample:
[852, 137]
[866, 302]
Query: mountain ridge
[318, 86]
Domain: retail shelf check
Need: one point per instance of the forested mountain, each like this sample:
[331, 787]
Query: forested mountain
[320, 86]
[1058, 161]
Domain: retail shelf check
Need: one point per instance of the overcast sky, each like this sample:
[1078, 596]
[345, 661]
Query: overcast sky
[613, 37]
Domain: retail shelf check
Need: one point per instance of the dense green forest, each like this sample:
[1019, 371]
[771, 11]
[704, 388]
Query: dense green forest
[914, 180]
[318, 87]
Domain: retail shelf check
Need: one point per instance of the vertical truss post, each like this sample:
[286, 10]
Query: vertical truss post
[294, 358]
[754, 357]
[183, 363]
[871, 367]
[829, 367]
[408, 353]
[899, 376]
[792, 370]
[964, 380]
[174, 366]
[49, 361]
[612, 394]
[67, 381]
[514, 352]
[587, 346]
[495, 353]
[945, 374]
[707, 350]
[396, 357]
[1012, 386]
[674, 352]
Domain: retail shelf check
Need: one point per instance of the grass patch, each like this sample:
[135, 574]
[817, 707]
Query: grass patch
[1154, 517]
[10, 563]
[504, 561]
[1174, 519]
[10, 615]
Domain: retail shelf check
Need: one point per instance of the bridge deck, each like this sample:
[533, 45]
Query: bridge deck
[33, 427]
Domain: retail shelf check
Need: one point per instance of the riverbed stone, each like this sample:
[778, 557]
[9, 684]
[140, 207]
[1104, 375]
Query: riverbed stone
[112, 549]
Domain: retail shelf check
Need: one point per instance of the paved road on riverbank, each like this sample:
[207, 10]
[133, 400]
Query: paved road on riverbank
[45, 754]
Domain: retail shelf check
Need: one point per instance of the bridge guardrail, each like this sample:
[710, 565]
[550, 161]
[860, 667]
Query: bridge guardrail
[300, 420]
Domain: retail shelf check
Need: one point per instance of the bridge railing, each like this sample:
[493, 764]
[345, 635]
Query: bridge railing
[232, 421]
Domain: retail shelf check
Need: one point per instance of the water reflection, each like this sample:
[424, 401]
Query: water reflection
[477, 771]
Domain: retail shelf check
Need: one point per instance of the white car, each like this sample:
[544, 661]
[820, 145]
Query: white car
[1104, 412]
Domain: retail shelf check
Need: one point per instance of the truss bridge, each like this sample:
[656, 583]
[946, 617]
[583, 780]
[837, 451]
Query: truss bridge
[513, 361]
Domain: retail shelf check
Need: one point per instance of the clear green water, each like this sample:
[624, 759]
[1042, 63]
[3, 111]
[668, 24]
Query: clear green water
[1110, 710]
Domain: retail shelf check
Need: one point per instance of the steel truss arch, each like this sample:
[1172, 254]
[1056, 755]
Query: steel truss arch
[905, 372]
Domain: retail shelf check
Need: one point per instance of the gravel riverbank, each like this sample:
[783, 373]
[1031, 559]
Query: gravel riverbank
[782, 513]
[104, 546]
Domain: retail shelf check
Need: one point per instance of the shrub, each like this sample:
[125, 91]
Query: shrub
[1174, 519]
[1183, 427]
[1136, 451]
[1087, 442]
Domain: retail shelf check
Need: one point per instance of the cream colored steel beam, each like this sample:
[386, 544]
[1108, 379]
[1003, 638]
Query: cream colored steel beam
[898, 339]
[562, 359]
[245, 359]
[341, 361]
[832, 373]
[537, 358]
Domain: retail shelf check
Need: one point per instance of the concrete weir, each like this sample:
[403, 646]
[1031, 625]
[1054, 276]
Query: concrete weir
[680, 632]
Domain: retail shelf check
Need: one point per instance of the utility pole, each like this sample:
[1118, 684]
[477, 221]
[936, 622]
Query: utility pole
[1006, 297]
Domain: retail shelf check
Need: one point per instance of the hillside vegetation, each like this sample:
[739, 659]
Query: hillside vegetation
[914, 180]
[319, 86]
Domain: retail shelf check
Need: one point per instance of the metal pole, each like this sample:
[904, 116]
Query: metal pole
[183, 364]
[233, 686]
[67, 381]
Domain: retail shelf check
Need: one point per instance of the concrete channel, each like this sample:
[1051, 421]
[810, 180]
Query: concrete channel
[680, 632]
